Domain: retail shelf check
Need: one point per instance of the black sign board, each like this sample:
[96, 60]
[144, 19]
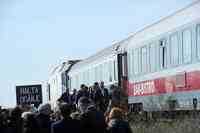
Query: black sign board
[29, 94]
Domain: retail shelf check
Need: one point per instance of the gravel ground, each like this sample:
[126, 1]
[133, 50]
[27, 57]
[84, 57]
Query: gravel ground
[170, 126]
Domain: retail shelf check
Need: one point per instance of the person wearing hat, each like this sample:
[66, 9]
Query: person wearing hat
[92, 120]
[29, 123]
[83, 104]
[43, 118]
[117, 123]
[66, 124]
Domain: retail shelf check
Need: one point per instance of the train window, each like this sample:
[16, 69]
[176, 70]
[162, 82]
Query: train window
[95, 73]
[187, 45]
[84, 77]
[174, 49]
[144, 58]
[110, 72]
[132, 64]
[136, 61]
[76, 82]
[152, 50]
[104, 72]
[98, 73]
[92, 75]
[113, 70]
[107, 72]
[87, 77]
[130, 68]
[81, 78]
[198, 41]
[101, 72]
[116, 70]
[163, 53]
[72, 82]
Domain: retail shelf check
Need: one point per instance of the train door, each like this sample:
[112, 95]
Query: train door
[122, 70]
[123, 79]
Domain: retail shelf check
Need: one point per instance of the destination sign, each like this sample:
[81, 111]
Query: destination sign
[29, 94]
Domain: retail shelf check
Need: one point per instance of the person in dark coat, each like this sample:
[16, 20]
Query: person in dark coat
[73, 99]
[98, 96]
[73, 96]
[65, 97]
[106, 97]
[29, 123]
[4, 121]
[83, 92]
[93, 121]
[116, 122]
[91, 93]
[15, 123]
[115, 98]
[67, 124]
[43, 118]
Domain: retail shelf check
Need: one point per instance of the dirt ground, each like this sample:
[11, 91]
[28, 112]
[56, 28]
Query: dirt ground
[170, 126]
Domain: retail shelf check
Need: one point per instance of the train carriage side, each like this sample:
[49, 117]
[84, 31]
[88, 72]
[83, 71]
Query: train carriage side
[102, 66]
[164, 63]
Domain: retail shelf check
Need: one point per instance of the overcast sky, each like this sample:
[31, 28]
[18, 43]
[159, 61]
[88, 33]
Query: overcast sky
[36, 34]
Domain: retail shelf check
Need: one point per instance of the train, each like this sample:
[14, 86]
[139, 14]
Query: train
[158, 66]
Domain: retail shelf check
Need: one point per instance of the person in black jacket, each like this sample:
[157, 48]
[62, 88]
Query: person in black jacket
[43, 118]
[73, 96]
[83, 92]
[116, 122]
[65, 97]
[98, 96]
[29, 123]
[93, 121]
[67, 124]
[15, 121]
[106, 97]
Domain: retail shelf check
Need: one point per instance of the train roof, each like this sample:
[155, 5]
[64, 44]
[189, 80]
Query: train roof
[63, 66]
[181, 17]
[164, 25]
[118, 47]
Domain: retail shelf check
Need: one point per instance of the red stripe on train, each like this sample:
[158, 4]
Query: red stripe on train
[176, 83]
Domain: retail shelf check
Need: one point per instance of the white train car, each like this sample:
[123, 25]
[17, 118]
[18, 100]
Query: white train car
[57, 82]
[164, 63]
[103, 66]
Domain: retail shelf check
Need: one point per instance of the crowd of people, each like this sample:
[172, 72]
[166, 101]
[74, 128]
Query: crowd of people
[89, 110]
